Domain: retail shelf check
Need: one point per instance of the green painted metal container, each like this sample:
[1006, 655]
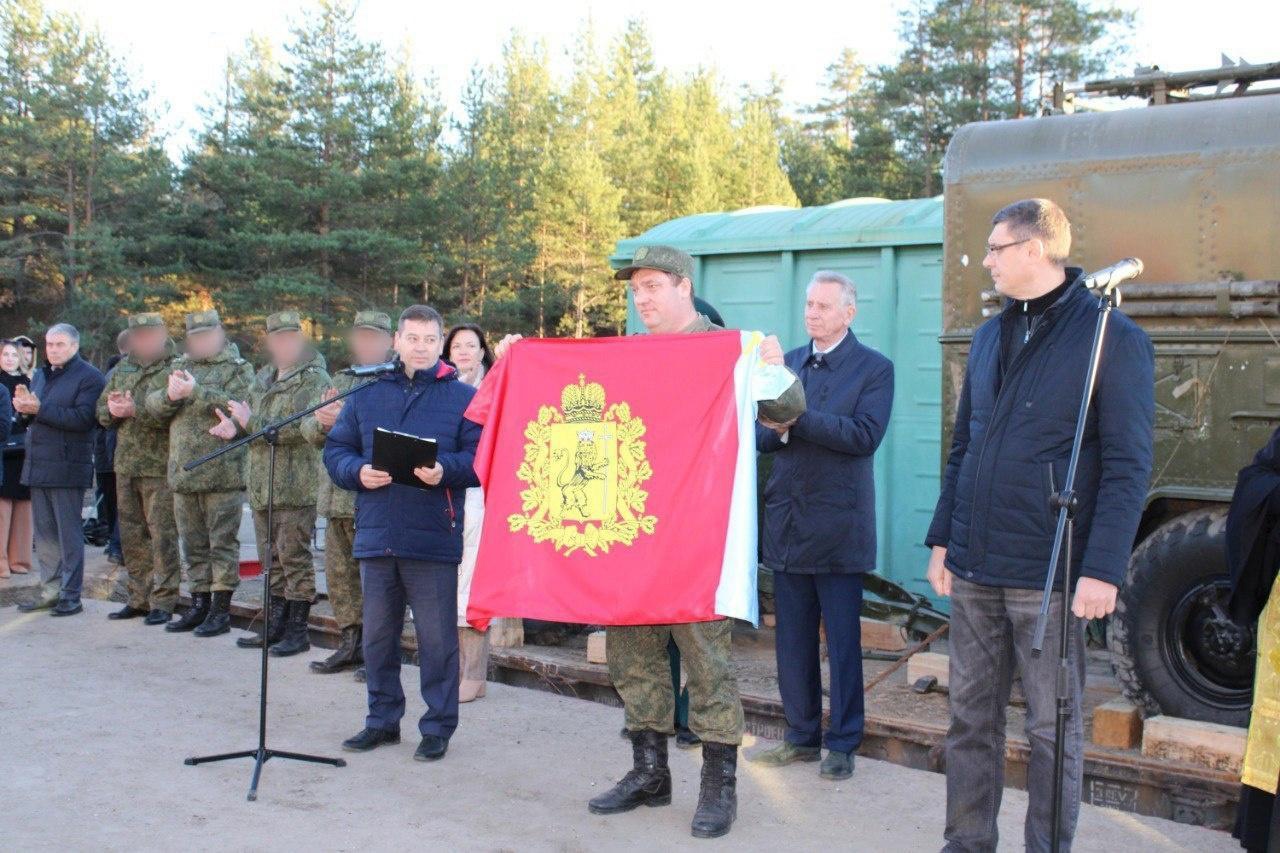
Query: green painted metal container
[753, 265]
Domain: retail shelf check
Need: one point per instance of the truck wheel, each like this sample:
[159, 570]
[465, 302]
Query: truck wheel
[1173, 647]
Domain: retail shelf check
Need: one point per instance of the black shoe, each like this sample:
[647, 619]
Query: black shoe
[837, 765]
[295, 637]
[218, 619]
[126, 612]
[115, 558]
[686, 739]
[718, 798]
[647, 783]
[368, 739]
[195, 614]
[157, 617]
[432, 748]
[276, 610]
[66, 608]
[360, 675]
[37, 605]
[348, 653]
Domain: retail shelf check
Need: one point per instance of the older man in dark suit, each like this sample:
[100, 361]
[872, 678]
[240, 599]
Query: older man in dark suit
[820, 525]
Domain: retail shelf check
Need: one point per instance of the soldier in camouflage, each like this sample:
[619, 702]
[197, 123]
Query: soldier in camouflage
[145, 504]
[369, 343]
[295, 379]
[207, 500]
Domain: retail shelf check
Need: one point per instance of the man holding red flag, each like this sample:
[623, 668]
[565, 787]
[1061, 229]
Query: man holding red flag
[639, 666]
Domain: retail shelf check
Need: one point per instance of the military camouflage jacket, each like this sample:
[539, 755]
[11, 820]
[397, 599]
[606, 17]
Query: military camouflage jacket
[297, 460]
[331, 501]
[142, 441]
[225, 376]
[790, 404]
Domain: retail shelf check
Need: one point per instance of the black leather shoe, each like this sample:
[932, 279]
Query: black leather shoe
[126, 612]
[837, 765]
[369, 739]
[157, 617]
[66, 608]
[37, 605]
[718, 797]
[195, 614]
[686, 739]
[432, 748]
[360, 675]
[647, 783]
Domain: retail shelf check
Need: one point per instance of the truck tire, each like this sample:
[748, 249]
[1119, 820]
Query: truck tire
[1173, 651]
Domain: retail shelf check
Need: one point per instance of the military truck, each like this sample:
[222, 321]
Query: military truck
[1191, 185]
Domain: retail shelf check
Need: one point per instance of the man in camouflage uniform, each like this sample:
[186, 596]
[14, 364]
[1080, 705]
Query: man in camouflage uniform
[639, 665]
[145, 504]
[369, 343]
[295, 379]
[207, 500]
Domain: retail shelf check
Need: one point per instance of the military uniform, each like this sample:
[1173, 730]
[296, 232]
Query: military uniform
[208, 500]
[147, 533]
[338, 506]
[640, 667]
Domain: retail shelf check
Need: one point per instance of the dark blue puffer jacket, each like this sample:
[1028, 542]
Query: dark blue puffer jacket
[401, 521]
[1013, 439]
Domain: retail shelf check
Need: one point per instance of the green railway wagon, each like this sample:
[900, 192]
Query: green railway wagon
[753, 265]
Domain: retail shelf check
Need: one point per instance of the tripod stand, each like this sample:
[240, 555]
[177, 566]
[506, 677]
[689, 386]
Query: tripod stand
[1066, 504]
[270, 434]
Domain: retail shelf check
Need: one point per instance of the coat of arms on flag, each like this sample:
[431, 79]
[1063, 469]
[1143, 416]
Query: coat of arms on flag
[585, 469]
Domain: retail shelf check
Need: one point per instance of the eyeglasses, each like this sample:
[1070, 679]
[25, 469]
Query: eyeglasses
[997, 249]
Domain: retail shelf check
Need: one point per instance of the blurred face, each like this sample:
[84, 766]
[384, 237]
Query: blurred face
[146, 343]
[664, 305]
[285, 348]
[418, 344]
[59, 348]
[826, 317]
[1013, 262]
[369, 346]
[465, 351]
[206, 343]
[10, 359]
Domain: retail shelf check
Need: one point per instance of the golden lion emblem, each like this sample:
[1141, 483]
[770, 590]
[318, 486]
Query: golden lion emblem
[584, 467]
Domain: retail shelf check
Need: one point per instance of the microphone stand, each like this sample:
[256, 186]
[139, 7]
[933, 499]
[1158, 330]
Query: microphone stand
[1066, 503]
[270, 434]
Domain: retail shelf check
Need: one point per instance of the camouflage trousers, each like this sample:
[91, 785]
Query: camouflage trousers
[149, 541]
[342, 573]
[640, 669]
[209, 524]
[293, 574]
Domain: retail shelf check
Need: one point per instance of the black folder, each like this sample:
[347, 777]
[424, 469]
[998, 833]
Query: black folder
[398, 453]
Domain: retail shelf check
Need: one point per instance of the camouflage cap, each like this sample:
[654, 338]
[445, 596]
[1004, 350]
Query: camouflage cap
[284, 321]
[147, 318]
[665, 258]
[199, 321]
[375, 320]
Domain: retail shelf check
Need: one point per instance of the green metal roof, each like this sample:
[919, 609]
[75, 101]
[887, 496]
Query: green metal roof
[852, 222]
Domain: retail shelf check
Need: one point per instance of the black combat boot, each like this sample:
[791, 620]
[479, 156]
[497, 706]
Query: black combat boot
[348, 653]
[218, 620]
[296, 638]
[126, 612]
[194, 616]
[718, 799]
[647, 783]
[277, 609]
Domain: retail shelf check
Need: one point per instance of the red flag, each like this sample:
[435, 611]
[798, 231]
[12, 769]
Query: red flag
[608, 468]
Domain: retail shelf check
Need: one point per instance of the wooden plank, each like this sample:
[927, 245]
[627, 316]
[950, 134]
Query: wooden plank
[596, 649]
[1210, 745]
[1117, 724]
[884, 636]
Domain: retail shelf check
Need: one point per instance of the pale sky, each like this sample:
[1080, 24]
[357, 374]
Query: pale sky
[177, 50]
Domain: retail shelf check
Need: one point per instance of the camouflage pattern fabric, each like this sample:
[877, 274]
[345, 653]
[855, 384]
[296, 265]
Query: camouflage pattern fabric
[293, 574]
[142, 441]
[342, 573]
[149, 541]
[209, 524]
[331, 501]
[297, 460]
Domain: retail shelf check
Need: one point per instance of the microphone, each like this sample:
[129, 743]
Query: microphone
[373, 369]
[1109, 278]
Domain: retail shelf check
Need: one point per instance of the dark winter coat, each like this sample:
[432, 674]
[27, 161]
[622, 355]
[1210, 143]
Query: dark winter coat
[1013, 438]
[403, 521]
[60, 436]
[820, 501]
[1253, 532]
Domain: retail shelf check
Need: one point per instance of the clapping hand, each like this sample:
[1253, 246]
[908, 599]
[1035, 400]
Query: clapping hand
[24, 401]
[120, 404]
[327, 416]
[225, 428]
[181, 385]
[240, 411]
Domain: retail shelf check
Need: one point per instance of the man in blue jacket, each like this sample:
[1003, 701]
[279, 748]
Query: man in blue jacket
[409, 540]
[993, 528]
[820, 525]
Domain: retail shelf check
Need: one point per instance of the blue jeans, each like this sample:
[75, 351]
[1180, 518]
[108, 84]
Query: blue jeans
[431, 589]
[801, 601]
[991, 633]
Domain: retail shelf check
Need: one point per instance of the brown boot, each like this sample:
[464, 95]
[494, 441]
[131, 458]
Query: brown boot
[473, 663]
